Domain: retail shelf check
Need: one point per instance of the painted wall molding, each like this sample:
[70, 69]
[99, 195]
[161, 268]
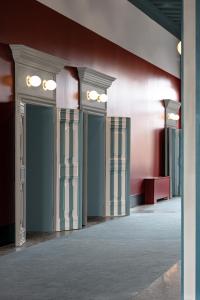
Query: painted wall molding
[172, 147]
[93, 80]
[31, 62]
[34, 58]
[171, 106]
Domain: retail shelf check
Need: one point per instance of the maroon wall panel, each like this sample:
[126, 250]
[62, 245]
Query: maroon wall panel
[137, 92]
[7, 145]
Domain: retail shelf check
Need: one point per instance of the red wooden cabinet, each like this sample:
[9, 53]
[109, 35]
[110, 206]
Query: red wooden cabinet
[156, 188]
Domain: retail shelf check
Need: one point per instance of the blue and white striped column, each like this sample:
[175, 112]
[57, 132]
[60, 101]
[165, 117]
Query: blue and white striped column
[70, 170]
[191, 150]
[117, 166]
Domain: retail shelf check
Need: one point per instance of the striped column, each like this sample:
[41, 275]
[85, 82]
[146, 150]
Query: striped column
[117, 166]
[70, 207]
[173, 137]
[191, 150]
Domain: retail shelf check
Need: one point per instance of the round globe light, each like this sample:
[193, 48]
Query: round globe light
[174, 117]
[34, 81]
[179, 47]
[103, 98]
[92, 95]
[49, 85]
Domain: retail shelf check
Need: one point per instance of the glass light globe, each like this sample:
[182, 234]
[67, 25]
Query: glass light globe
[174, 117]
[93, 95]
[34, 81]
[49, 85]
[179, 47]
[103, 98]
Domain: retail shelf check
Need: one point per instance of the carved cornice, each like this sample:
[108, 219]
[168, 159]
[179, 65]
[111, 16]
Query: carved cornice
[172, 105]
[96, 78]
[93, 80]
[37, 59]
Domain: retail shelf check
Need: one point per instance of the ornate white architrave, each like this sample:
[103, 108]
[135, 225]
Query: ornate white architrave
[172, 146]
[171, 106]
[90, 80]
[29, 61]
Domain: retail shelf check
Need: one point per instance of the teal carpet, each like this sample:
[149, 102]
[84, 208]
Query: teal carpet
[109, 261]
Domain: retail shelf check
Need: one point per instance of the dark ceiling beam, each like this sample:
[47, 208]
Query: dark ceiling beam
[156, 14]
[170, 11]
[169, 3]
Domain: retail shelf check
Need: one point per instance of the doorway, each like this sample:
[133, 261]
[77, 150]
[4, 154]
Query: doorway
[39, 150]
[94, 168]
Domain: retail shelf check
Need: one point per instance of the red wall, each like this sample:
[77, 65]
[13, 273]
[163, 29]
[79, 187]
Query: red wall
[7, 145]
[137, 92]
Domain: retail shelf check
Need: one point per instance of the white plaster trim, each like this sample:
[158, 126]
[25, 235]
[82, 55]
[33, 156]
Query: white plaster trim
[37, 59]
[189, 116]
[95, 78]
[171, 106]
[108, 145]
[27, 59]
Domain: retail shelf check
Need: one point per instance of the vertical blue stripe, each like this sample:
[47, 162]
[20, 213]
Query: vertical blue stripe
[80, 167]
[71, 138]
[197, 149]
[128, 143]
[120, 167]
[62, 168]
[112, 148]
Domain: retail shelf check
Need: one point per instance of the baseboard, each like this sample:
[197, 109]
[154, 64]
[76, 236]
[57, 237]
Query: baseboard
[96, 219]
[136, 200]
[7, 234]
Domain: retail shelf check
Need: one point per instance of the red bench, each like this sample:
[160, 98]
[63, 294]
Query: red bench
[156, 188]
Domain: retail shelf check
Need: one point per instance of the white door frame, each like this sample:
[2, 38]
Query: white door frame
[85, 163]
[89, 80]
[29, 62]
[20, 202]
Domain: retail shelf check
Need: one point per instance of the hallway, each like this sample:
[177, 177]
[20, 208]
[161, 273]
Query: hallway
[115, 260]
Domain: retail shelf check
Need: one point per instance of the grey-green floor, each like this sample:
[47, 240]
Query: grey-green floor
[115, 260]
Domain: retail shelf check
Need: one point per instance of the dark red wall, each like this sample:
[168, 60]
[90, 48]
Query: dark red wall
[7, 146]
[137, 92]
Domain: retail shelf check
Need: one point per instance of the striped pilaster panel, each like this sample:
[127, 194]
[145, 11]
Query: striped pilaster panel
[70, 170]
[173, 160]
[116, 166]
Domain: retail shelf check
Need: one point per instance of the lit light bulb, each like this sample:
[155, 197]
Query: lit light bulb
[179, 47]
[49, 85]
[103, 98]
[34, 81]
[92, 95]
[174, 117]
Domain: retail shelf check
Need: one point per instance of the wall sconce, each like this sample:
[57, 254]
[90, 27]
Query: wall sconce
[103, 98]
[49, 85]
[94, 96]
[34, 81]
[172, 116]
[179, 47]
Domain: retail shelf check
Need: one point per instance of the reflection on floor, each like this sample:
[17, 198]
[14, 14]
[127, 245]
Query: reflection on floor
[167, 287]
